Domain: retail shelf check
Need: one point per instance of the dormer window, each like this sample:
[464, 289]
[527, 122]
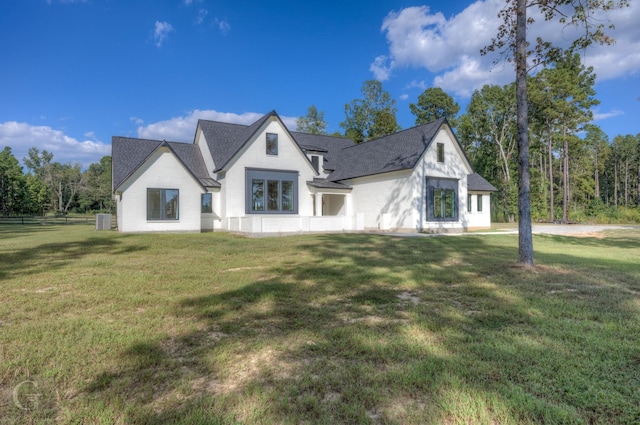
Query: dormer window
[315, 161]
[272, 144]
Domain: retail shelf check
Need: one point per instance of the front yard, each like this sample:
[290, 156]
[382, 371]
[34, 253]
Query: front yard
[101, 327]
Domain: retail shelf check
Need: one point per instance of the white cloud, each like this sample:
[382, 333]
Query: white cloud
[450, 47]
[161, 32]
[599, 116]
[137, 121]
[381, 68]
[223, 26]
[21, 136]
[182, 129]
[417, 84]
[202, 13]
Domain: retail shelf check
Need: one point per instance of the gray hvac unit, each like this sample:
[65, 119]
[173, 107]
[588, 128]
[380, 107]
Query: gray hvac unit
[103, 221]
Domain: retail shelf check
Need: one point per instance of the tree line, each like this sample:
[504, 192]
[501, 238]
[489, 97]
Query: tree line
[49, 186]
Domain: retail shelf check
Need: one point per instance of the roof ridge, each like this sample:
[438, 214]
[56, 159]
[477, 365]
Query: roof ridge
[442, 119]
[224, 122]
[323, 135]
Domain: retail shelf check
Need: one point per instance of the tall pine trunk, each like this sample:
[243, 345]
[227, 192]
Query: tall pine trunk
[551, 200]
[565, 171]
[626, 183]
[525, 238]
[597, 178]
[638, 198]
[615, 184]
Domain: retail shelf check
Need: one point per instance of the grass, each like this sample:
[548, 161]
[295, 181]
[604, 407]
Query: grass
[101, 327]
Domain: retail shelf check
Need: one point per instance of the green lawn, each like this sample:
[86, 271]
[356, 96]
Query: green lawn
[101, 327]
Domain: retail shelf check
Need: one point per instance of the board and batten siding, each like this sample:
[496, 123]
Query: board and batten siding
[161, 171]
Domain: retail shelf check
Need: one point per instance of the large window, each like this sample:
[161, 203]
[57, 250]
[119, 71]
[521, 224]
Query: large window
[162, 204]
[442, 200]
[271, 192]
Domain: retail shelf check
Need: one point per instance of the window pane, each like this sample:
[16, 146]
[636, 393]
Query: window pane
[257, 190]
[171, 204]
[315, 161]
[206, 203]
[438, 210]
[450, 203]
[287, 195]
[469, 203]
[153, 204]
[273, 195]
[272, 144]
[440, 152]
[479, 203]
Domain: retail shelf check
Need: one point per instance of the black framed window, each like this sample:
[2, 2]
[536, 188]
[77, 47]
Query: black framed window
[479, 203]
[440, 147]
[315, 161]
[207, 203]
[272, 144]
[271, 192]
[442, 199]
[163, 204]
[468, 203]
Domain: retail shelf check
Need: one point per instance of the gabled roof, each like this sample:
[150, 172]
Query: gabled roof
[395, 152]
[477, 183]
[225, 140]
[128, 154]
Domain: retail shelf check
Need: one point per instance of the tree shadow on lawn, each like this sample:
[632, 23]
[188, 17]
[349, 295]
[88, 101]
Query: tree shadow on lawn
[51, 256]
[383, 330]
[10, 231]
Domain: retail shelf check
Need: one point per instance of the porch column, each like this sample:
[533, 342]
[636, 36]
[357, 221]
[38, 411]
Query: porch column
[348, 205]
[318, 209]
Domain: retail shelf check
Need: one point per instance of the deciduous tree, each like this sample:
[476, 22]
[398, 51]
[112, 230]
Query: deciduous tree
[313, 122]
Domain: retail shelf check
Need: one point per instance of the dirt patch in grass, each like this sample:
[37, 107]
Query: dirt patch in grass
[408, 297]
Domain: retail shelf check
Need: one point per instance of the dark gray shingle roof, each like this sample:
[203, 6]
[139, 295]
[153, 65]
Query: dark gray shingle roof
[330, 146]
[398, 151]
[128, 154]
[476, 182]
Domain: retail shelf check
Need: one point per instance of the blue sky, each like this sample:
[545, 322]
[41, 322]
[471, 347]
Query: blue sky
[77, 72]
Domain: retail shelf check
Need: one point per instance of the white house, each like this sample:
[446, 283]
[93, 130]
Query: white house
[262, 178]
